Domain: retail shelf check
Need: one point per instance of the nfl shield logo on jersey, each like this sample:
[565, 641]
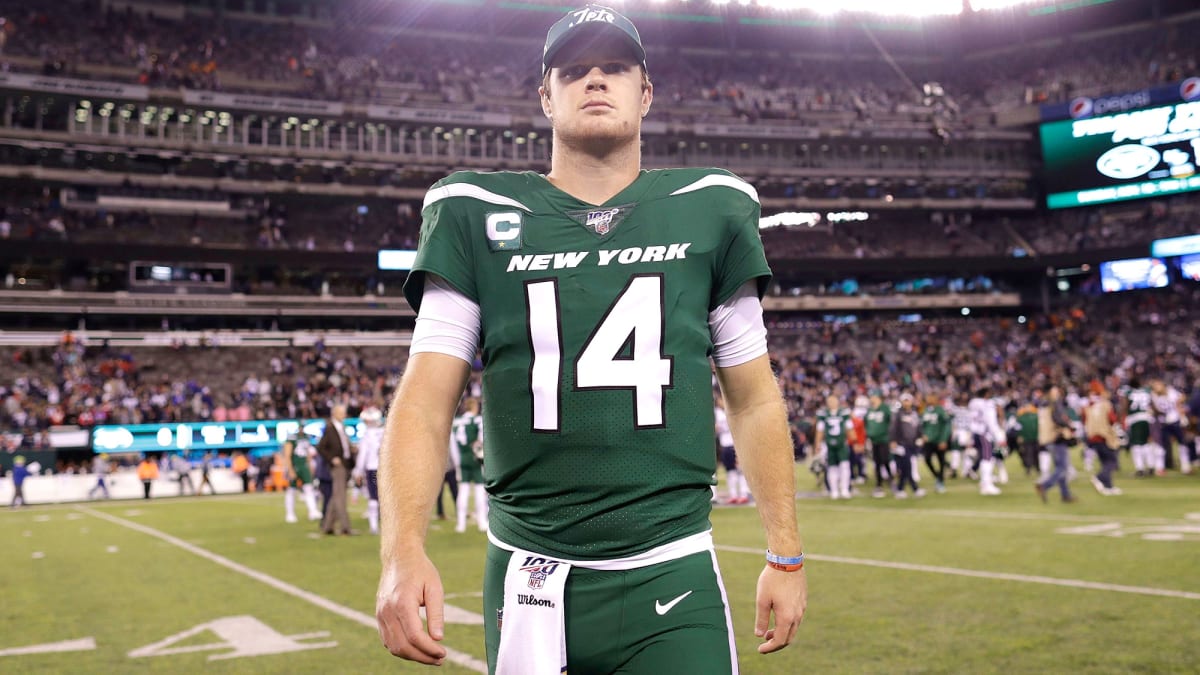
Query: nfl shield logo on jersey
[600, 222]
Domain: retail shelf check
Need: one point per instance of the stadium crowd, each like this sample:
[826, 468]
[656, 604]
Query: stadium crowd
[344, 224]
[1110, 338]
[73, 383]
[914, 404]
[264, 223]
[406, 67]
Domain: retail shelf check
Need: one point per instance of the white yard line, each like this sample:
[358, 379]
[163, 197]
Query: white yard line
[139, 502]
[80, 645]
[803, 505]
[465, 660]
[980, 574]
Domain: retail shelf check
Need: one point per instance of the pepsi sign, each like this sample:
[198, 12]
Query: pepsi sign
[1083, 107]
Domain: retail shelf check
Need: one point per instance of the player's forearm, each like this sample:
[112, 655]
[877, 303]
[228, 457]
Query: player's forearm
[412, 466]
[764, 448]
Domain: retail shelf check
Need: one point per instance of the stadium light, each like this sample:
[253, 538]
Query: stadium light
[789, 219]
[924, 8]
[919, 8]
[980, 5]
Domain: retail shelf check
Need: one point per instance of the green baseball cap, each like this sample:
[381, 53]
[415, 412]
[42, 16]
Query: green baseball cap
[588, 20]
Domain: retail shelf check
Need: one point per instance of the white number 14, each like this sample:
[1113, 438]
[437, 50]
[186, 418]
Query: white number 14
[635, 319]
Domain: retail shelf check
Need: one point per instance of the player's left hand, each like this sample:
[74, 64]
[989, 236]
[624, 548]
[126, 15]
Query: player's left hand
[784, 595]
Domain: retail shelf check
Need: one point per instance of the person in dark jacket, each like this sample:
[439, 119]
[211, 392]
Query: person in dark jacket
[335, 448]
[905, 431]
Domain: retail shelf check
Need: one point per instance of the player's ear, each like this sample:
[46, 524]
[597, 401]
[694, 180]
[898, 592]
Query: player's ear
[647, 97]
[544, 97]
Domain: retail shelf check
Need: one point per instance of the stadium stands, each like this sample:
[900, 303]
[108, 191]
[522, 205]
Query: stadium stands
[1118, 336]
[390, 64]
[95, 384]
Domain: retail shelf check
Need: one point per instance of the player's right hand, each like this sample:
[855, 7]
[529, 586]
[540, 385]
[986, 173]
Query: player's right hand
[406, 585]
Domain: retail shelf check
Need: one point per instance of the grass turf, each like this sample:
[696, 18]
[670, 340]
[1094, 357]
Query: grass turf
[70, 574]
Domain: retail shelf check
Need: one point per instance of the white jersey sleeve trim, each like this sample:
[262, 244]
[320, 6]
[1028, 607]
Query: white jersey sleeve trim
[448, 323]
[737, 329]
[467, 190]
[717, 179]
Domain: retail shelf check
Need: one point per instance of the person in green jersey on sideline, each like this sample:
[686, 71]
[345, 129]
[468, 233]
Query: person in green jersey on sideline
[1139, 418]
[1027, 419]
[834, 426]
[596, 294]
[297, 453]
[467, 436]
[935, 439]
[878, 425]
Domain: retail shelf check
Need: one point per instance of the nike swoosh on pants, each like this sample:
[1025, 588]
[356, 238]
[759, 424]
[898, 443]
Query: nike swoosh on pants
[661, 609]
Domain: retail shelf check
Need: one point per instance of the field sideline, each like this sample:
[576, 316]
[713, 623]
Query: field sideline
[948, 584]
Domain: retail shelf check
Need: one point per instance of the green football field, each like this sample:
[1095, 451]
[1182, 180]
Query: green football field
[954, 583]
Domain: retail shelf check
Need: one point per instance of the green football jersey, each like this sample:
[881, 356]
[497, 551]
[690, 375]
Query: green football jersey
[835, 425]
[597, 384]
[302, 450]
[878, 423]
[935, 424]
[1141, 407]
[464, 431]
[1027, 417]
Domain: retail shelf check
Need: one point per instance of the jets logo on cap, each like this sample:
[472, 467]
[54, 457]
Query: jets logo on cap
[591, 14]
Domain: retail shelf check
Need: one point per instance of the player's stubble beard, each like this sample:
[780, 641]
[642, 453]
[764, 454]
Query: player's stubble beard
[598, 138]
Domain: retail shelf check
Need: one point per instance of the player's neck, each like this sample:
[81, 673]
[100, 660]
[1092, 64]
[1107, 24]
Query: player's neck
[594, 179]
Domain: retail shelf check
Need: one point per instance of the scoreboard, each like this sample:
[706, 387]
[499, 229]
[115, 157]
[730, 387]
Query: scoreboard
[1140, 153]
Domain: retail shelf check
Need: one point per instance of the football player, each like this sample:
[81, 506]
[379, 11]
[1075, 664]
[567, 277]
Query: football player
[834, 425]
[297, 453]
[878, 426]
[935, 438]
[366, 467]
[735, 482]
[467, 436]
[988, 437]
[1139, 417]
[596, 293]
[1168, 406]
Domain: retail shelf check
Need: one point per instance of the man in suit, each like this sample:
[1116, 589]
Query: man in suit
[334, 448]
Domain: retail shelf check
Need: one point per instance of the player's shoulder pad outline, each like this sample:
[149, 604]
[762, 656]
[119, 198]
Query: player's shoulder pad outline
[466, 184]
[719, 178]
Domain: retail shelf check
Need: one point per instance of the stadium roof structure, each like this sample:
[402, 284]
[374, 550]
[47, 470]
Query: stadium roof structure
[915, 28]
[695, 9]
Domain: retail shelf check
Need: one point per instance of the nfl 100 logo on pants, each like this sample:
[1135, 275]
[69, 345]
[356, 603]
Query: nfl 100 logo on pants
[539, 570]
